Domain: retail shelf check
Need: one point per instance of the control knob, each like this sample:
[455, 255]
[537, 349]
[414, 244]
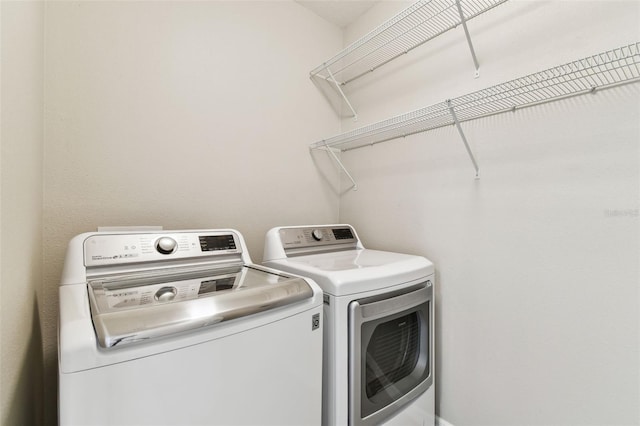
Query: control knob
[316, 234]
[166, 245]
[165, 294]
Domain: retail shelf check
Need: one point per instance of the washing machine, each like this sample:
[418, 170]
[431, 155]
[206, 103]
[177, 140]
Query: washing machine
[181, 328]
[378, 363]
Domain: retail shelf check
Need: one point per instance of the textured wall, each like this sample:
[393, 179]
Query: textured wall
[21, 139]
[181, 114]
[537, 261]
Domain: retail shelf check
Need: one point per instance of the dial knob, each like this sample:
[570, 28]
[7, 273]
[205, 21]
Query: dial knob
[316, 234]
[165, 294]
[166, 245]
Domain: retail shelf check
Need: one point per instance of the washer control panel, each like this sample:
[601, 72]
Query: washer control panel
[113, 249]
[307, 237]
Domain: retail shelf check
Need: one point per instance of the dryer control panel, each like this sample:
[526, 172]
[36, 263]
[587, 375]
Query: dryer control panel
[319, 236]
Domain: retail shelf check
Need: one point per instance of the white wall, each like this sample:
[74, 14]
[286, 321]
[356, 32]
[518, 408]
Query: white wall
[181, 114]
[537, 261]
[21, 141]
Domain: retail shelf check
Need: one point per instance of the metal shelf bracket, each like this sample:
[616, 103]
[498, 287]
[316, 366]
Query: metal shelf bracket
[463, 21]
[333, 79]
[456, 122]
[331, 151]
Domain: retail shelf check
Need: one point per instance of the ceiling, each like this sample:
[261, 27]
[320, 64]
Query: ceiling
[338, 12]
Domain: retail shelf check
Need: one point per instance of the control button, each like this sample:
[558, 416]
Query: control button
[316, 234]
[166, 245]
[165, 294]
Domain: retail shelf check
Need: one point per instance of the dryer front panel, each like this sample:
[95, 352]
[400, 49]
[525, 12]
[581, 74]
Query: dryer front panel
[390, 352]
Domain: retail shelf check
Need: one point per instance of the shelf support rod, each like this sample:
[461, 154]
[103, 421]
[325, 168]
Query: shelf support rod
[464, 139]
[355, 114]
[466, 33]
[354, 185]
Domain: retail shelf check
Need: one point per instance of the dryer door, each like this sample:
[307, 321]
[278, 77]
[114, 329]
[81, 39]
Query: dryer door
[390, 352]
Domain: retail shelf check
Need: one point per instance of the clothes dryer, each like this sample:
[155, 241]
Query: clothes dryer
[378, 363]
[180, 328]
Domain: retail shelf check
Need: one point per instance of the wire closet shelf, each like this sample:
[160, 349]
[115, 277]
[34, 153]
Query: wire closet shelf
[414, 26]
[610, 68]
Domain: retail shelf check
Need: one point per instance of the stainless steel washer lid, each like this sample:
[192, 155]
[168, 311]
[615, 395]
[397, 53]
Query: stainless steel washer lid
[137, 307]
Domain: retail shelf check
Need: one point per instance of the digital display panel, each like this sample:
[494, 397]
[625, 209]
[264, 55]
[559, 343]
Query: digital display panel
[217, 242]
[343, 234]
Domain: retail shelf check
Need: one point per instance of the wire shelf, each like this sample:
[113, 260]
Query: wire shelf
[613, 67]
[414, 26]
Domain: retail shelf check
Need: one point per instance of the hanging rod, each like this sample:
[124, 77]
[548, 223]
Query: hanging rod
[606, 69]
[411, 28]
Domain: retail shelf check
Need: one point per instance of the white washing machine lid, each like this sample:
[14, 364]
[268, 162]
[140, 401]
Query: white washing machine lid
[355, 271]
